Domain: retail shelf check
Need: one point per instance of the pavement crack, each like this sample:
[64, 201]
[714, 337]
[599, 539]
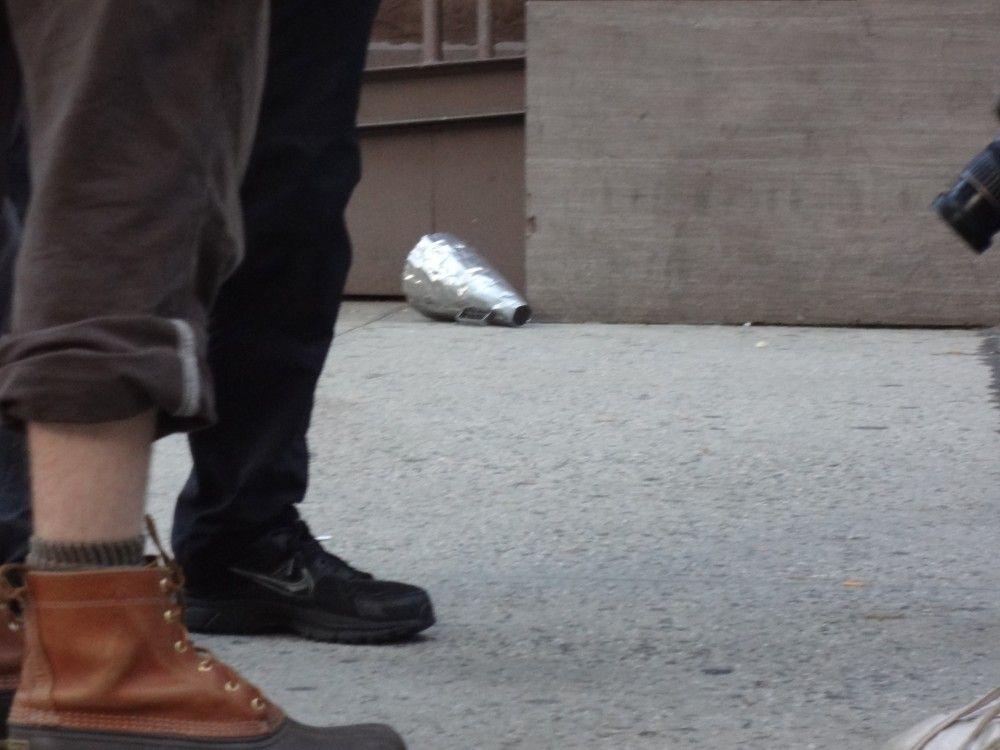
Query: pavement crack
[373, 321]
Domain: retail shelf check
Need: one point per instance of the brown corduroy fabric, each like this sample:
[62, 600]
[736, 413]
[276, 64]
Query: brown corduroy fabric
[141, 117]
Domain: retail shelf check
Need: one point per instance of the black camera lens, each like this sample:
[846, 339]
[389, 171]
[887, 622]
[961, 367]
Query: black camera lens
[972, 206]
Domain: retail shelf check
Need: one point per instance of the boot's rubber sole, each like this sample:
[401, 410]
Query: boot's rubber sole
[291, 736]
[254, 618]
[6, 699]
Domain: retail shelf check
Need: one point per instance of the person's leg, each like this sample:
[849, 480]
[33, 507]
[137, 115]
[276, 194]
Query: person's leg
[15, 516]
[89, 480]
[14, 529]
[141, 116]
[133, 222]
[273, 322]
[113, 456]
[237, 531]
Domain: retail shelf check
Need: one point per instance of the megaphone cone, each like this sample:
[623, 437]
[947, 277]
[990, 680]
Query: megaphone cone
[446, 279]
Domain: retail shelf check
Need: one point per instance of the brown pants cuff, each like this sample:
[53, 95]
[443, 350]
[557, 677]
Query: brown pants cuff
[107, 369]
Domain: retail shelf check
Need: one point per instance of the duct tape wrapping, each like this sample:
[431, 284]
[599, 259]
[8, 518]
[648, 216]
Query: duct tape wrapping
[446, 279]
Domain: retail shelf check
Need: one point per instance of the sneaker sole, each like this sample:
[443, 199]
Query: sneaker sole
[253, 618]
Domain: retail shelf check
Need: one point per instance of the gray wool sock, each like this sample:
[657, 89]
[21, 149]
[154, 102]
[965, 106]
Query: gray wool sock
[123, 553]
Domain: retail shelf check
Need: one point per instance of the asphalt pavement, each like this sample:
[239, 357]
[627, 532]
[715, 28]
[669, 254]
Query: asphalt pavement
[651, 537]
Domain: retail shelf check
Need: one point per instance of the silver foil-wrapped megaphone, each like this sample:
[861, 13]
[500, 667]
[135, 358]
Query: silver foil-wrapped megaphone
[974, 727]
[446, 279]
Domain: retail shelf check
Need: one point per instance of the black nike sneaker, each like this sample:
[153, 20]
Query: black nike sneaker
[289, 584]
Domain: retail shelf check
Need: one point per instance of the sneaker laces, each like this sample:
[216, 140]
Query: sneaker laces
[307, 550]
[989, 714]
[172, 585]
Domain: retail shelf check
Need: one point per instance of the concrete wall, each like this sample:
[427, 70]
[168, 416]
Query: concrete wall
[756, 160]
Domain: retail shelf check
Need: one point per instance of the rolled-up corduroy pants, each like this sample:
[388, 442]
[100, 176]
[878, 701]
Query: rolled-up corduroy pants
[141, 115]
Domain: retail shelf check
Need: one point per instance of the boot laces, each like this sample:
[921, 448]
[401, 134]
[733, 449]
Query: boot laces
[12, 593]
[172, 585]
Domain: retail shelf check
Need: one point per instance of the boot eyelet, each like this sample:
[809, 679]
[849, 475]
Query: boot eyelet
[170, 615]
[232, 687]
[180, 647]
[258, 704]
[205, 666]
[165, 585]
[13, 626]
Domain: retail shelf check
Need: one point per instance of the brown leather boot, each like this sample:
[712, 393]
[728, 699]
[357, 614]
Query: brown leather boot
[10, 664]
[108, 664]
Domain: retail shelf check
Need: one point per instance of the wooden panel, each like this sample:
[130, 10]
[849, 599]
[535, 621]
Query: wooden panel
[399, 20]
[465, 178]
[480, 192]
[763, 160]
[443, 91]
[391, 208]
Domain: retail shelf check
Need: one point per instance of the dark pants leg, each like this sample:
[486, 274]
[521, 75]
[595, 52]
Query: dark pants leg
[273, 322]
[15, 517]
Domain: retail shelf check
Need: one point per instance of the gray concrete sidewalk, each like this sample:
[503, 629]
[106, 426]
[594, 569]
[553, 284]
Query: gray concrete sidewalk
[652, 537]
